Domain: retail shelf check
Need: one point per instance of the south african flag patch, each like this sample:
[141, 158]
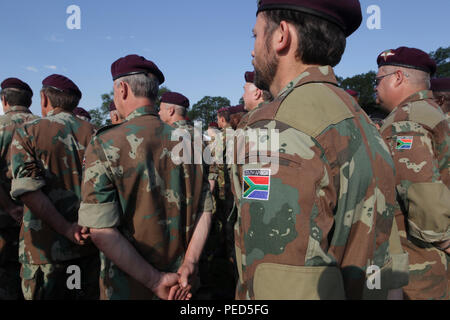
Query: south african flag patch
[256, 184]
[404, 143]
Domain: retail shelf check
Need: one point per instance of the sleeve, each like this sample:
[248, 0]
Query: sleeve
[99, 204]
[27, 171]
[400, 260]
[425, 197]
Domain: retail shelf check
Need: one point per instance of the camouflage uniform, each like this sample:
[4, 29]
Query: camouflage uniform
[132, 184]
[418, 136]
[330, 207]
[47, 154]
[9, 229]
[218, 256]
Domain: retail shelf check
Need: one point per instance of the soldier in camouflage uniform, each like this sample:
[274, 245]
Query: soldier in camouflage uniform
[317, 218]
[141, 206]
[173, 111]
[418, 136]
[46, 163]
[16, 99]
[253, 97]
[441, 92]
[217, 274]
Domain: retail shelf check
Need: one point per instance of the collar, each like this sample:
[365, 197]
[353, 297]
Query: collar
[421, 95]
[56, 111]
[311, 75]
[18, 109]
[142, 111]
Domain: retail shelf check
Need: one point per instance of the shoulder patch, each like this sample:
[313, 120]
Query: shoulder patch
[424, 113]
[312, 108]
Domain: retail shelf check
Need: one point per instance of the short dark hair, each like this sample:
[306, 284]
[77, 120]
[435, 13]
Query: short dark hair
[65, 100]
[17, 97]
[225, 115]
[320, 42]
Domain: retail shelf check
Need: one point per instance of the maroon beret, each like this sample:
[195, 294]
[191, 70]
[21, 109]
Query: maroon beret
[352, 93]
[14, 83]
[250, 77]
[213, 125]
[61, 83]
[134, 64]
[408, 58]
[112, 106]
[82, 113]
[440, 84]
[175, 98]
[237, 109]
[222, 109]
[346, 14]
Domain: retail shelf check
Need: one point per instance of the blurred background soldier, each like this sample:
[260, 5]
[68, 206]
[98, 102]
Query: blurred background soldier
[441, 92]
[253, 97]
[16, 100]
[47, 158]
[236, 115]
[218, 276]
[173, 111]
[418, 136]
[82, 114]
[114, 115]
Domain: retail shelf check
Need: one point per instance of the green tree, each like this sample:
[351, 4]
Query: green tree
[442, 58]
[205, 110]
[364, 85]
[100, 116]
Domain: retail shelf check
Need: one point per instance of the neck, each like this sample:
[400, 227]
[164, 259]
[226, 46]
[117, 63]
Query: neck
[286, 72]
[132, 105]
[408, 92]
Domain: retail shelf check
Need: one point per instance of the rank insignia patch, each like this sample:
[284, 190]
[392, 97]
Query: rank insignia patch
[256, 184]
[404, 143]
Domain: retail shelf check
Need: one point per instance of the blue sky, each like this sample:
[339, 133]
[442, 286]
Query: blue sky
[203, 47]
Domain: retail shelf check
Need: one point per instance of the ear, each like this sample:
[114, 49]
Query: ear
[44, 101]
[257, 94]
[399, 78]
[282, 37]
[171, 111]
[124, 90]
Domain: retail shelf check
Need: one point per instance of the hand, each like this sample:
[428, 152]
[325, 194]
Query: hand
[187, 273]
[166, 287]
[16, 212]
[444, 246]
[74, 234]
[179, 293]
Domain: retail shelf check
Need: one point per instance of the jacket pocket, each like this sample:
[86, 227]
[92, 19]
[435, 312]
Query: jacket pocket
[284, 282]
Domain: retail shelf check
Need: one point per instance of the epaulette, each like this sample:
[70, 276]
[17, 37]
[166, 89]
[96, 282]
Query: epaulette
[105, 128]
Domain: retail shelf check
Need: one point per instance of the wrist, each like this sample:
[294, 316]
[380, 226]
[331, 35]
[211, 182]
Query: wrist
[155, 281]
[443, 245]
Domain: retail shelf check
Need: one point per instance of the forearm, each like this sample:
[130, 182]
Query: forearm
[41, 206]
[199, 238]
[120, 251]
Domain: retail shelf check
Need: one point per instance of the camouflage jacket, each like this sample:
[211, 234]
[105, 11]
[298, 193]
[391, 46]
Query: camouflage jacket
[417, 134]
[47, 154]
[219, 171]
[132, 183]
[312, 221]
[13, 118]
